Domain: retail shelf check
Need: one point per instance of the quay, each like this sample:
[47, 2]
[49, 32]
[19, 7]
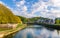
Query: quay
[10, 32]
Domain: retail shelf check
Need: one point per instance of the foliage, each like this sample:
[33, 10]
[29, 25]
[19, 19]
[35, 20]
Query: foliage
[23, 19]
[57, 21]
[34, 19]
[19, 25]
[6, 16]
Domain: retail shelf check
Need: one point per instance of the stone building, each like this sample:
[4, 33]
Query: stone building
[46, 21]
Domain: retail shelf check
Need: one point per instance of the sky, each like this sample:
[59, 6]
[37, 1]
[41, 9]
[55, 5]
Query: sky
[34, 8]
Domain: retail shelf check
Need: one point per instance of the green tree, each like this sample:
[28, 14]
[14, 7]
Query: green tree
[57, 21]
[23, 19]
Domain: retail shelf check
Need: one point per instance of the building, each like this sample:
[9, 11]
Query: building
[49, 21]
[46, 21]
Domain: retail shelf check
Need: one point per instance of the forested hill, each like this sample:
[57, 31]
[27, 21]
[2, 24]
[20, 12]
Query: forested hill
[6, 16]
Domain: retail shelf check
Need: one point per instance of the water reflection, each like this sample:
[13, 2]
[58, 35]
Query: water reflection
[40, 32]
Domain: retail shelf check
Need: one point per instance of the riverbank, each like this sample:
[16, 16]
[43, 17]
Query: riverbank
[53, 26]
[12, 31]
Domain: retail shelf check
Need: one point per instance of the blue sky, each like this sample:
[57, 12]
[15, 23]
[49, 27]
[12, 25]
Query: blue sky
[33, 8]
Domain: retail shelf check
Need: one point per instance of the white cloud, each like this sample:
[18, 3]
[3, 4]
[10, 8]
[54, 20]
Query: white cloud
[56, 2]
[24, 8]
[56, 11]
[42, 7]
[21, 8]
[20, 3]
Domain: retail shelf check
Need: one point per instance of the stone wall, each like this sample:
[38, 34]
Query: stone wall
[12, 26]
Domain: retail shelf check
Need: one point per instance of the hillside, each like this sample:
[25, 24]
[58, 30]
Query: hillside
[6, 16]
[23, 19]
[34, 19]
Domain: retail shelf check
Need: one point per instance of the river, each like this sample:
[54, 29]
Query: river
[37, 31]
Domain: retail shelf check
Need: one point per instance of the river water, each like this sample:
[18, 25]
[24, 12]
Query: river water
[37, 31]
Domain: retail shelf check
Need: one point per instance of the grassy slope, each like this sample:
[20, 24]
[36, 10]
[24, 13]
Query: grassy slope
[6, 16]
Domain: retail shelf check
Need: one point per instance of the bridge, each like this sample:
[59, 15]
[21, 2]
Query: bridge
[53, 26]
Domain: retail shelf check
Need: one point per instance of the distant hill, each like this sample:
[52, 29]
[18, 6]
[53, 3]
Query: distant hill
[34, 19]
[6, 16]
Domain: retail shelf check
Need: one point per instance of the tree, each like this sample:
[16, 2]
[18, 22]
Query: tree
[57, 21]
